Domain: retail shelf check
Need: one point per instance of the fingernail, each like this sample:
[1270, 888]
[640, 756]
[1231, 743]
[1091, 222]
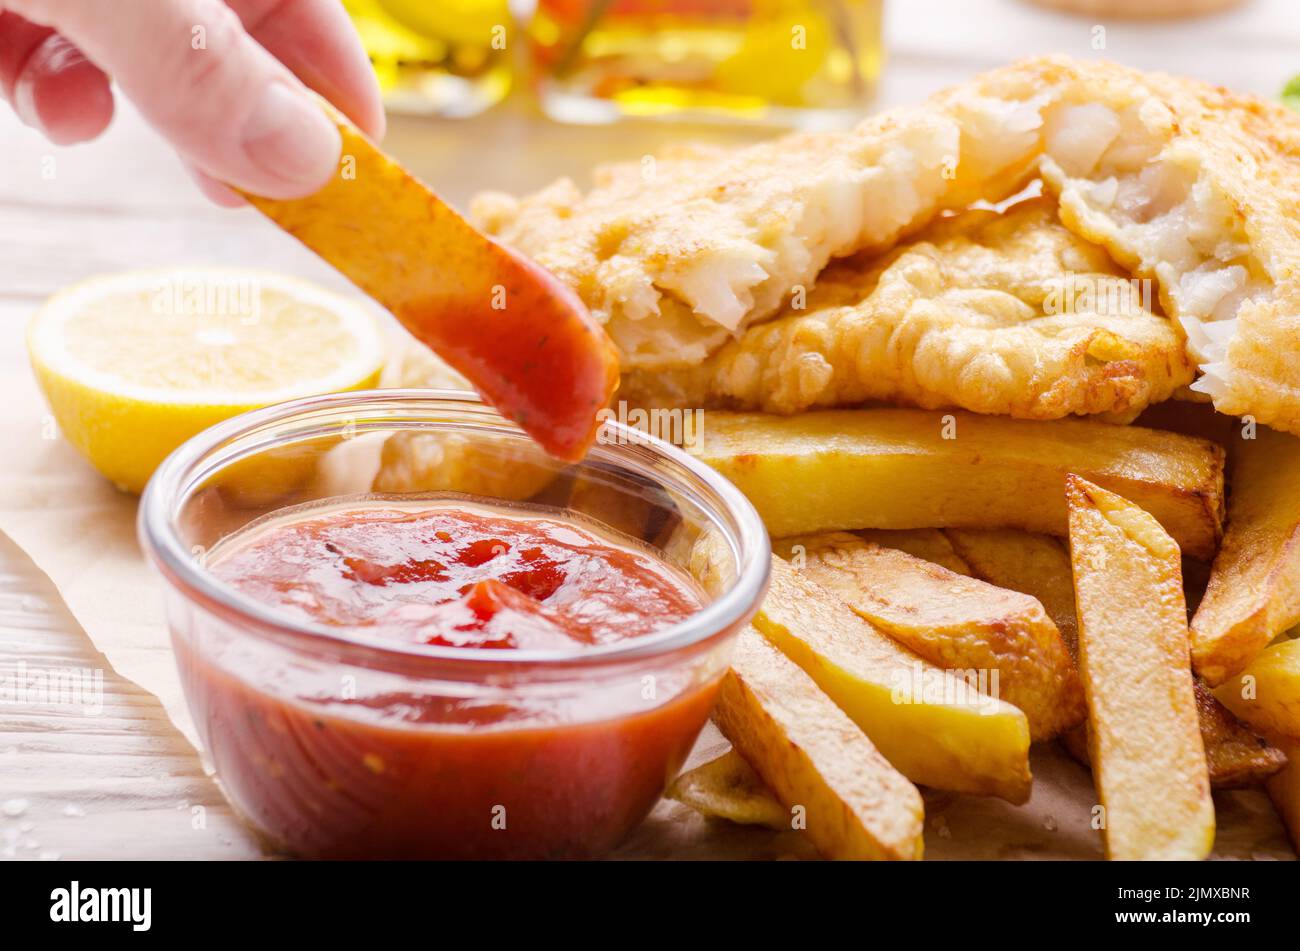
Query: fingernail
[25, 102]
[289, 137]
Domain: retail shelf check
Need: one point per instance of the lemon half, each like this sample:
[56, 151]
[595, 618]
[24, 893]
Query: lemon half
[133, 364]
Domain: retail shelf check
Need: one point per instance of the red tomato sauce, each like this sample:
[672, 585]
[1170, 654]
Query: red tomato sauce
[391, 771]
[459, 577]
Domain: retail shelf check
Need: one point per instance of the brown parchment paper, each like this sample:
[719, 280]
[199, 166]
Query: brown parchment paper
[81, 533]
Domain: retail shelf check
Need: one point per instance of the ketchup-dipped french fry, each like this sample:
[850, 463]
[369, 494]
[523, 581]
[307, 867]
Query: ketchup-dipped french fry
[521, 337]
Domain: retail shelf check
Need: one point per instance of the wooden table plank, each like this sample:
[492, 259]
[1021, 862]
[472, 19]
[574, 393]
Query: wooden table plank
[99, 774]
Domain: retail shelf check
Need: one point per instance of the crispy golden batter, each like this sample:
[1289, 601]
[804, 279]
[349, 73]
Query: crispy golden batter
[673, 252]
[1183, 183]
[996, 313]
[1197, 188]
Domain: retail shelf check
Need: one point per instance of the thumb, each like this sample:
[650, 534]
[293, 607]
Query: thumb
[229, 107]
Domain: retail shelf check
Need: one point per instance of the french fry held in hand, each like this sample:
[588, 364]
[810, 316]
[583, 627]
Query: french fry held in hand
[855, 805]
[1254, 589]
[905, 468]
[1148, 760]
[521, 337]
[937, 728]
[953, 621]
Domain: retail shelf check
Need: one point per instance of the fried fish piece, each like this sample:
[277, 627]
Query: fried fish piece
[676, 251]
[411, 461]
[1185, 184]
[1007, 313]
[1198, 189]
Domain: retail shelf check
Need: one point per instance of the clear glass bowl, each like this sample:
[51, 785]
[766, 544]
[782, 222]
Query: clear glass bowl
[336, 744]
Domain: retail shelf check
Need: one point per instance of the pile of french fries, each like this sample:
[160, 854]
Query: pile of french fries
[949, 588]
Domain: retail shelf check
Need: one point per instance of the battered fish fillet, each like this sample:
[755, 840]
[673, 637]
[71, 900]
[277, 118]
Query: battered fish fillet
[1199, 189]
[1184, 183]
[997, 313]
[676, 252]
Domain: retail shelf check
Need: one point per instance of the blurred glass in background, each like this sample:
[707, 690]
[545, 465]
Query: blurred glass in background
[794, 62]
[797, 62]
[437, 57]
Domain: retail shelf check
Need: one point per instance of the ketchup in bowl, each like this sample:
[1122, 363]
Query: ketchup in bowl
[466, 665]
[458, 575]
[348, 769]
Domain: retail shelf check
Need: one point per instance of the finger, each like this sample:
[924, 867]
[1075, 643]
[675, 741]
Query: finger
[226, 104]
[316, 40]
[213, 190]
[51, 84]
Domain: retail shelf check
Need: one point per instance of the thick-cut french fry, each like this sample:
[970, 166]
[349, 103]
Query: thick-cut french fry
[519, 335]
[953, 621]
[855, 805]
[1254, 589]
[902, 468]
[1267, 693]
[1267, 696]
[1148, 759]
[1235, 755]
[928, 544]
[937, 728]
[1037, 565]
[1284, 789]
[728, 788]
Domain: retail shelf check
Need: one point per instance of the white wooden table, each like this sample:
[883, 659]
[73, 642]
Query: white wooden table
[123, 783]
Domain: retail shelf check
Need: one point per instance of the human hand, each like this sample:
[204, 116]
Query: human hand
[222, 81]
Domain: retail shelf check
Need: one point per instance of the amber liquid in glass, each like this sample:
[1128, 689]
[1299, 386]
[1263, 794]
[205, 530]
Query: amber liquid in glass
[437, 57]
[803, 62]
